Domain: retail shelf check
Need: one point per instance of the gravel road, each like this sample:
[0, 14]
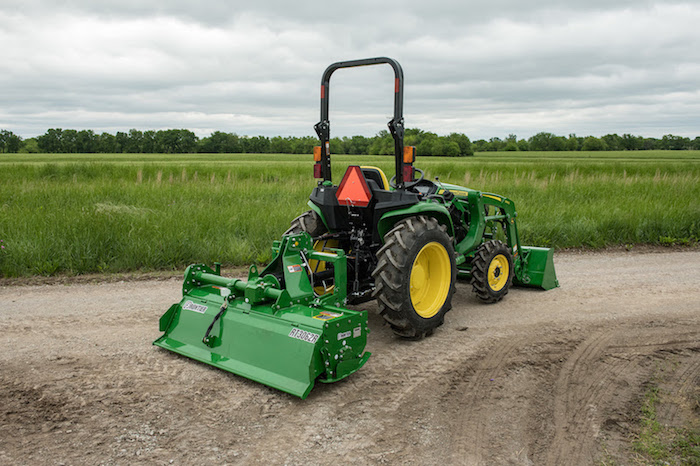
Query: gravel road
[550, 377]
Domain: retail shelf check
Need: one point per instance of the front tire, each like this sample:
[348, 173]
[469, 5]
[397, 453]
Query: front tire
[415, 276]
[492, 271]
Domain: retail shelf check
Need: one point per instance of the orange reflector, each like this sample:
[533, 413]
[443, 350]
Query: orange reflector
[409, 154]
[353, 190]
[317, 153]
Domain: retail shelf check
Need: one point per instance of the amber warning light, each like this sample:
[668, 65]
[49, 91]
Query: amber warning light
[317, 165]
[409, 154]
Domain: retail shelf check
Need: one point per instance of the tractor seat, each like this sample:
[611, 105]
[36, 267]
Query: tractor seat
[373, 186]
[377, 175]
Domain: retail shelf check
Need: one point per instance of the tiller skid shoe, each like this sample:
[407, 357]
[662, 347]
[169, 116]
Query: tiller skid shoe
[275, 328]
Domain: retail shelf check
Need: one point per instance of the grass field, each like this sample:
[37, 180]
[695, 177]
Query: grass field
[86, 213]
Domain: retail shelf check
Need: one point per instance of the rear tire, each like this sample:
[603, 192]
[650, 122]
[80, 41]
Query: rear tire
[309, 222]
[415, 277]
[492, 271]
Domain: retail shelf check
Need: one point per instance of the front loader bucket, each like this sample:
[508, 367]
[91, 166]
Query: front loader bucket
[284, 338]
[537, 268]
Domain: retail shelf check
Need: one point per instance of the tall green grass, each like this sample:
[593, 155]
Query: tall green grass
[94, 213]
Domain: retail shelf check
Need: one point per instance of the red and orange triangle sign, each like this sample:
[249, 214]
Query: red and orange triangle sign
[353, 189]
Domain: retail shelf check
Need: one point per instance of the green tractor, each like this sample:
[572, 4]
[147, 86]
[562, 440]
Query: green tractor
[407, 239]
[403, 241]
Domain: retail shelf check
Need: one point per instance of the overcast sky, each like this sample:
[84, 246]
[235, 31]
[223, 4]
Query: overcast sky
[254, 67]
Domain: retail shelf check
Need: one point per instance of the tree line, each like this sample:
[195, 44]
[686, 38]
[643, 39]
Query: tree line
[550, 142]
[179, 141]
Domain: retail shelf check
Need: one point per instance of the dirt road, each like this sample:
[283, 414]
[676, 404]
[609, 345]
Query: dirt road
[540, 378]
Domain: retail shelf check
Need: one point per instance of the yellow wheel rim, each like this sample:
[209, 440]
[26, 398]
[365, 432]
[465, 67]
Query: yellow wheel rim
[320, 266]
[430, 279]
[499, 270]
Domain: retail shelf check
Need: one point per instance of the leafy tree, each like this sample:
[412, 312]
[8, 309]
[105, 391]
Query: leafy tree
[593, 143]
[255, 145]
[304, 145]
[480, 145]
[30, 146]
[449, 148]
[650, 143]
[465, 145]
[558, 143]
[358, 145]
[630, 142]
[540, 141]
[9, 142]
[671, 142]
[86, 142]
[613, 142]
[511, 146]
[495, 144]
[337, 146]
[280, 145]
[135, 142]
[50, 141]
[547, 141]
[175, 141]
[383, 144]
[149, 142]
[574, 142]
[123, 142]
[107, 144]
[220, 143]
[69, 141]
[429, 144]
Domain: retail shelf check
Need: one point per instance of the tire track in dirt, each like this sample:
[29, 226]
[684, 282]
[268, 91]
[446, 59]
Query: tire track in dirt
[583, 380]
[681, 384]
[575, 392]
[467, 438]
[585, 388]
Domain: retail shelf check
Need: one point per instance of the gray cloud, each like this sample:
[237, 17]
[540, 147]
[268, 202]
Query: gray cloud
[486, 70]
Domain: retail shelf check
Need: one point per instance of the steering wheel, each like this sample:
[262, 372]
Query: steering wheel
[409, 184]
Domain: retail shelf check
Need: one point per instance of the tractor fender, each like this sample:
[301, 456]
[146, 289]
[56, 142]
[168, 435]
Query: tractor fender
[317, 209]
[428, 209]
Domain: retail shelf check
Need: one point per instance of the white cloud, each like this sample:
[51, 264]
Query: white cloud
[507, 67]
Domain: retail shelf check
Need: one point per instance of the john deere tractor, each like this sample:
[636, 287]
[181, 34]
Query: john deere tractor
[408, 238]
[403, 241]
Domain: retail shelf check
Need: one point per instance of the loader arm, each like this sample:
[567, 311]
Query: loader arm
[533, 266]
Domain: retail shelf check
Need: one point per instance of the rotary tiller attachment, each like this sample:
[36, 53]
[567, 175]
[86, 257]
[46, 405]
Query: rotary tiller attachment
[273, 328]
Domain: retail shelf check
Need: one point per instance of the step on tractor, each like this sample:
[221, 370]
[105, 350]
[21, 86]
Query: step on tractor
[403, 241]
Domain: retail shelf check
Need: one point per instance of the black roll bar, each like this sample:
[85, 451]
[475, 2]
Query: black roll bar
[396, 126]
